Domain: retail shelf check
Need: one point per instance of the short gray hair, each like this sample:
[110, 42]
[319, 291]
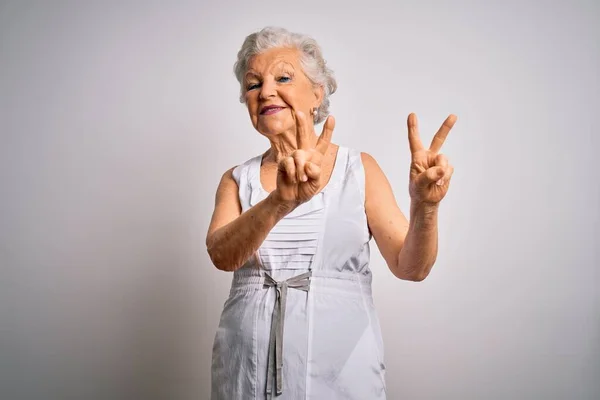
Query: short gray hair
[311, 59]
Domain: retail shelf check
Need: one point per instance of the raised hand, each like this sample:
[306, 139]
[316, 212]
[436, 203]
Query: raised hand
[430, 171]
[299, 175]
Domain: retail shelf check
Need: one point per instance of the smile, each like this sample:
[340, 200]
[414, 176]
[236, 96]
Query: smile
[271, 110]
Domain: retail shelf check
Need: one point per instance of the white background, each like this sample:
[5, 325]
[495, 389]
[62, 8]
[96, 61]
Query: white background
[117, 120]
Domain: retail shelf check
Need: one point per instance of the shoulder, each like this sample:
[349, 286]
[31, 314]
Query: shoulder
[362, 163]
[376, 182]
[372, 168]
[229, 180]
[360, 157]
[368, 160]
[233, 174]
[239, 172]
[229, 174]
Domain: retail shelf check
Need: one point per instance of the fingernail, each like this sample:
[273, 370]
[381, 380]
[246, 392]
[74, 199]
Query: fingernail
[304, 178]
[440, 182]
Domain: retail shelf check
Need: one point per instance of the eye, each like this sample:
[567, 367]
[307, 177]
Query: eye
[284, 79]
[252, 86]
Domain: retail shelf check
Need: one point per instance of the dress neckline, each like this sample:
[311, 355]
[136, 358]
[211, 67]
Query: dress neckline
[333, 178]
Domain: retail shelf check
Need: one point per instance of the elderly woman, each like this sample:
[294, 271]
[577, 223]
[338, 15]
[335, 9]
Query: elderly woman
[294, 224]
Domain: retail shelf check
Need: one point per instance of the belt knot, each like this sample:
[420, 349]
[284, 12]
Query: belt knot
[275, 363]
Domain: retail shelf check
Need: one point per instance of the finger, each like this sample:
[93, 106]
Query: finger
[418, 167]
[313, 171]
[326, 134]
[302, 131]
[440, 137]
[441, 160]
[449, 173]
[447, 176]
[414, 141]
[433, 174]
[288, 167]
[300, 161]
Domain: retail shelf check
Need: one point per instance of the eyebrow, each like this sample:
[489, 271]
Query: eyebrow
[279, 66]
[283, 65]
[251, 74]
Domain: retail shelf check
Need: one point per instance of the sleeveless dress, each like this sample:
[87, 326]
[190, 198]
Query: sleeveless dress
[299, 322]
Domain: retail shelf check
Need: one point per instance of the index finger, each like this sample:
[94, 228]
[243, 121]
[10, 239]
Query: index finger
[325, 137]
[442, 133]
[414, 141]
[302, 138]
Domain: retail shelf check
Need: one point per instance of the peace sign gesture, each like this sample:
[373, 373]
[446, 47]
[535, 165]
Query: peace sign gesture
[299, 175]
[430, 172]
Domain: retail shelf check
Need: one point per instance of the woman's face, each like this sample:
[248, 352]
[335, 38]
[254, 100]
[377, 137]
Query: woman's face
[275, 84]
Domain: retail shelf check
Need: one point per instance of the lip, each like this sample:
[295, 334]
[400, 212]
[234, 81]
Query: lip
[272, 109]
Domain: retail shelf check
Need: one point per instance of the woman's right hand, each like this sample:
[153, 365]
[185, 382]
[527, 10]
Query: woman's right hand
[299, 175]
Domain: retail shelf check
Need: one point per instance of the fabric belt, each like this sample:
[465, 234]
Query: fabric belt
[275, 363]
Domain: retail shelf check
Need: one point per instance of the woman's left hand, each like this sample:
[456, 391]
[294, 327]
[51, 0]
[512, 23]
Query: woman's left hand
[430, 171]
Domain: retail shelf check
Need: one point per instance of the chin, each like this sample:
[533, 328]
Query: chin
[272, 128]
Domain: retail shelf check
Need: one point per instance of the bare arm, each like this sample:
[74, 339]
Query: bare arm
[421, 244]
[386, 222]
[409, 248]
[234, 237]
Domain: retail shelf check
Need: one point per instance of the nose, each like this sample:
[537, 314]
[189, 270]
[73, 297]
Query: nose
[267, 89]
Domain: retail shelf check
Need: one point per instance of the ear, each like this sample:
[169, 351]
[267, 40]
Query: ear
[319, 93]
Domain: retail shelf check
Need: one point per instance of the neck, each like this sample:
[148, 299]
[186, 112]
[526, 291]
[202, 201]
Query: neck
[283, 145]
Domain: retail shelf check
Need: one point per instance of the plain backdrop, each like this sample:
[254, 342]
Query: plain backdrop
[118, 118]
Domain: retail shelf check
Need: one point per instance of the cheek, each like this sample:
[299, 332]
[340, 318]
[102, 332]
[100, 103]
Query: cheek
[289, 96]
[250, 100]
[297, 97]
[252, 105]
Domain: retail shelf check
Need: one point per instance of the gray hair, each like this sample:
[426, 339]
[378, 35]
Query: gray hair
[311, 60]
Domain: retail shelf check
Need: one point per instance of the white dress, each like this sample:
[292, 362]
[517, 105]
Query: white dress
[299, 322]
